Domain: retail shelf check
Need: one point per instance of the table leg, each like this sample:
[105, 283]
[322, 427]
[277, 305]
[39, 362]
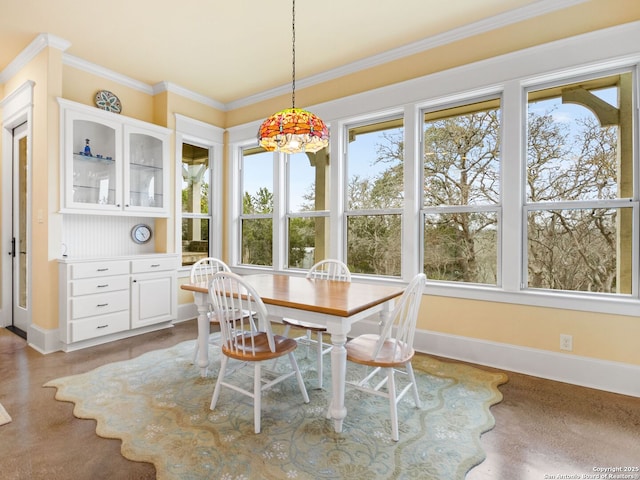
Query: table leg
[337, 411]
[384, 315]
[202, 302]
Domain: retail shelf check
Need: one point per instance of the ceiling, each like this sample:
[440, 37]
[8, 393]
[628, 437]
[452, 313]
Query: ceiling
[232, 50]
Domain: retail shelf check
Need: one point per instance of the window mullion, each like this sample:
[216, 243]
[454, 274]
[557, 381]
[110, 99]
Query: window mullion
[413, 146]
[511, 240]
[280, 240]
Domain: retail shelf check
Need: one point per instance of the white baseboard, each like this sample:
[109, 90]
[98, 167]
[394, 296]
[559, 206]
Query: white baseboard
[92, 342]
[43, 340]
[588, 372]
[48, 341]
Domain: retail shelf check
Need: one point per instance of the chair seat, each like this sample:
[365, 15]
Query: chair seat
[359, 350]
[260, 346]
[300, 324]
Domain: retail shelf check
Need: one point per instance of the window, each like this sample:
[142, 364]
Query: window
[196, 211]
[501, 180]
[461, 193]
[256, 219]
[308, 196]
[580, 199]
[374, 197]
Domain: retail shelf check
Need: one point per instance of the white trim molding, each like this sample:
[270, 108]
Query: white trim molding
[196, 97]
[105, 73]
[43, 340]
[41, 42]
[616, 377]
[17, 108]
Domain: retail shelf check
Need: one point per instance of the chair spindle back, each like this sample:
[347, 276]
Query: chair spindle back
[231, 296]
[330, 270]
[403, 318]
[205, 268]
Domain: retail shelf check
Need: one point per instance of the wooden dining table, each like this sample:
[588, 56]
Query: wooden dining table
[334, 304]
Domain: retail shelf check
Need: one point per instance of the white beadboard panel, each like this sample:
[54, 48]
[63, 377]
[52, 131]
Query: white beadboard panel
[102, 235]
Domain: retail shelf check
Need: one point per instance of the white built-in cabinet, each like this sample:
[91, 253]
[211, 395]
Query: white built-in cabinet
[111, 298]
[114, 174]
[112, 164]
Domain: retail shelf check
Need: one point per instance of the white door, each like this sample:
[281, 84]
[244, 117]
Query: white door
[21, 317]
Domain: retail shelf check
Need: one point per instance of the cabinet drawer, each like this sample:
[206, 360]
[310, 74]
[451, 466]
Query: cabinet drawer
[99, 269]
[100, 304]
[98, 326]
[99, 285]
[153, 264]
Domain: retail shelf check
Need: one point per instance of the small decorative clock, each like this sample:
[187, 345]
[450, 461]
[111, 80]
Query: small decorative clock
[141, 233]
[108, 101]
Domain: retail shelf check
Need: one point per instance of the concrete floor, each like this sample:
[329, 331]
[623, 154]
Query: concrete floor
[543, 430]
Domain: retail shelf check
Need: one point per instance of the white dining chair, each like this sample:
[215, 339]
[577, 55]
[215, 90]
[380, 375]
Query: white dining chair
[247, 342]
[201, 272]
[390, 351]
[327, 270]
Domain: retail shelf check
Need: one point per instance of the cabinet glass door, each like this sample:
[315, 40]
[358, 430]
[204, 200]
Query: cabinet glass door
[146, 167]
[94, 172]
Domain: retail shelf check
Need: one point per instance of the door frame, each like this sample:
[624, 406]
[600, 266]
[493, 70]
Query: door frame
[17, 108]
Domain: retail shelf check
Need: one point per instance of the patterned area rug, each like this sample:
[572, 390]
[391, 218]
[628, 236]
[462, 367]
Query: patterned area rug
[4, 416]
[159, 406]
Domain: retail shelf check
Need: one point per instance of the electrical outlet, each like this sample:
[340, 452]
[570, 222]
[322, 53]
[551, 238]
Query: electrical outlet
[566, 342]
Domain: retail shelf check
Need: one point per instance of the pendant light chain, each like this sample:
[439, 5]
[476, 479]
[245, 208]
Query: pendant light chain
[293, 56]
[293, 130]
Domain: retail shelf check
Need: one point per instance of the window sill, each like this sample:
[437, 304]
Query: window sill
[580, 302]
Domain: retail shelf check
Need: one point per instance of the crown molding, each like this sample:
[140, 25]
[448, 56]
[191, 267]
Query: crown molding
[190, 127]
[536, 9]
[41, 42]
[196, 97]
[103, 72]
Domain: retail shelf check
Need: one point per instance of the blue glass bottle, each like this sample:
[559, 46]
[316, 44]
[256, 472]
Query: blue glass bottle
[87, 148]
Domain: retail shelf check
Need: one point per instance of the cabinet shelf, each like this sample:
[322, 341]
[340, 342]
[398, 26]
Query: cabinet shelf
[143, 166]
[92, 158]
[128, 171]
[91, 187]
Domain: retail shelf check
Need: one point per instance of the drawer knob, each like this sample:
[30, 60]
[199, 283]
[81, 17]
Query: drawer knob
[102, 305]
[103, 326]
[103, 286]
[153, 265]
[103, 269]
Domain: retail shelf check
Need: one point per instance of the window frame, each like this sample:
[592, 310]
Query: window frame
[388, 116]
[290, 214]
[277, 188]
[210, 137]
[614, 203]
[496, 208]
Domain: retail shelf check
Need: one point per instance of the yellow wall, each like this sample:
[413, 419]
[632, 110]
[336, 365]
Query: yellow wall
[595, 335]
[81, 87]
[606, 337]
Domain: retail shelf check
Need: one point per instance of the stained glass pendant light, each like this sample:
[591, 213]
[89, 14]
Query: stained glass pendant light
[293, 130]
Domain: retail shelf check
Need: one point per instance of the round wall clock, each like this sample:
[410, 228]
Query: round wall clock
[108, 101]
[141, 233]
